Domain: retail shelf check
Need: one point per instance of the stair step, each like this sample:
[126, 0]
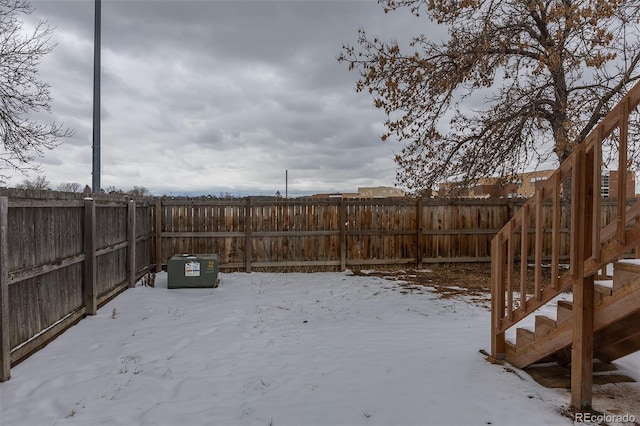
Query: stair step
[625, 272]
[604, 287]
[544, 325]
[524, 336]
[616, 329]
[630, 263]
[565, 311]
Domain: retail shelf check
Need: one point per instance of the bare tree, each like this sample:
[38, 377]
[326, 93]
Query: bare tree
[69, 187]
[22, 93]
[138, 191]
[39, 183]
[515, 83]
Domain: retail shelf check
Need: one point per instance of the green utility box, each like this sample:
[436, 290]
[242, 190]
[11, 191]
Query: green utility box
[193, 270]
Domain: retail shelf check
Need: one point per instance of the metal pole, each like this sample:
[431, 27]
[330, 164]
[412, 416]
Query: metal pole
[96, 99]
[286, 184]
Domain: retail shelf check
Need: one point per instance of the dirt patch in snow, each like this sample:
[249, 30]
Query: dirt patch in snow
[446, 280]
[454, 279]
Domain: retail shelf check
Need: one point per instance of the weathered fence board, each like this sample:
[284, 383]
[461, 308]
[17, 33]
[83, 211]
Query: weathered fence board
[62, 257]
[5, 345]
[38, 303]
[461, 231]
[381, 232]
[310, 234]
[143, 238]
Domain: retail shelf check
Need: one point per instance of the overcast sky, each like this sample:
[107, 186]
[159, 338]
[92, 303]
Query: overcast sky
[219, 96]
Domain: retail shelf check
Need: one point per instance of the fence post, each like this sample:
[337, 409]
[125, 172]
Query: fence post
[343, 236]
[419, 233]
[158, 225]
[89, 295]
[248, 243]
[131, 250]
[5, 345]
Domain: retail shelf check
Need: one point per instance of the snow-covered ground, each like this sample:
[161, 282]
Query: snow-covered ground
[285, 349]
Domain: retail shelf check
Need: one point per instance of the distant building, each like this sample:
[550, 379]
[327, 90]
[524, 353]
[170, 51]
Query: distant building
[611, 182]
[334, 195]
[527, 182]
[524, 186]
[482, 188]
[366, 192]
[380, 192]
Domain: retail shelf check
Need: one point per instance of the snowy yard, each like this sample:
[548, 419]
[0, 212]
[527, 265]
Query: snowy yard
[285, 349]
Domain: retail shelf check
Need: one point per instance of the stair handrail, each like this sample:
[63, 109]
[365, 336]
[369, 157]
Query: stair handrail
[592, 246]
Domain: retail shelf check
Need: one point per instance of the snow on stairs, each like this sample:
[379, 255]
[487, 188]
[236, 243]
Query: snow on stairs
[616, 324]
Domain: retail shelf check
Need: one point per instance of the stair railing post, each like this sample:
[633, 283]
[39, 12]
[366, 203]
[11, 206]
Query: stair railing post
[498, 346]
[583, 288]
[596, 223]
[622, 171]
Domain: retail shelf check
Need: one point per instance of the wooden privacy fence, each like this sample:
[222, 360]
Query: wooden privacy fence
[337, 234]
[62, 256]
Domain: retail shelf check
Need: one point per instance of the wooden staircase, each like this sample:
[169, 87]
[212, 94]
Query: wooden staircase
[596, 298]
[616, 324]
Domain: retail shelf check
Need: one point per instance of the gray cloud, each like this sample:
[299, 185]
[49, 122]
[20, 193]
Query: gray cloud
[216, 96]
